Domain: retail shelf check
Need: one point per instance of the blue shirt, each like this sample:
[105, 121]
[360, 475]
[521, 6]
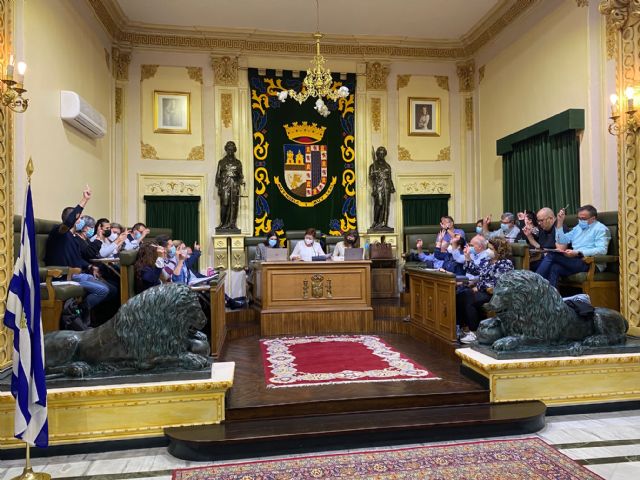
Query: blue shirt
[591, 241]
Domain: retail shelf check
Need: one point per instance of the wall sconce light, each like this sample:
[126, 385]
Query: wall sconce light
[632, 124]
[12, 91]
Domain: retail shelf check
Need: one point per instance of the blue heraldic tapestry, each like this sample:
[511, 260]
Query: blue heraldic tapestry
[304, 163]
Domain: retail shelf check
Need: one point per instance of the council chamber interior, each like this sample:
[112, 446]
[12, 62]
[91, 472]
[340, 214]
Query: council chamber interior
[207, 123]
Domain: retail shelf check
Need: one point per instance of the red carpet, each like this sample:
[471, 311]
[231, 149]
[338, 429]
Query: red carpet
[521, 459]
[332, 359]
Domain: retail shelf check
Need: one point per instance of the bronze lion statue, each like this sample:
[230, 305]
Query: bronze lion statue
[157, 328]
[529, 311]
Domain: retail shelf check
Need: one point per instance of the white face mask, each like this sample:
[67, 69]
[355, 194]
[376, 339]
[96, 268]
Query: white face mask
[308, 241]
[113, 237]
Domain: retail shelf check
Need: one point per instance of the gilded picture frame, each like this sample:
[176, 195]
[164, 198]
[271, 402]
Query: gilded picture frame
[171, 112]
[423, 116]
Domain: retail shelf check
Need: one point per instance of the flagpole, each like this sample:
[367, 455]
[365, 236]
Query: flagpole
[27, 472]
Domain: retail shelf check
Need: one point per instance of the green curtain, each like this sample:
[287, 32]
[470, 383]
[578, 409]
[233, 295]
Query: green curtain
[178, 213]
[424, 209]
[543, 171]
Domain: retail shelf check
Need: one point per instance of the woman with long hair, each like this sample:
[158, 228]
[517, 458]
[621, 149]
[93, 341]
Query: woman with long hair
[148, 266]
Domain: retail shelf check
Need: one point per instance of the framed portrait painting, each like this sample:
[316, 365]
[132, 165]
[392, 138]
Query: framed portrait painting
[424, 116]
[171, 112]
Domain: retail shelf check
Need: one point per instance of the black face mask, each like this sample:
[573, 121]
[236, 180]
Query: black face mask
[107, 232]
[351, 241]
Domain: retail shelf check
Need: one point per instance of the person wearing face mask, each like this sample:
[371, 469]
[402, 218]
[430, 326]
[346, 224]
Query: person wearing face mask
[173, 258]
[479, 229]
[308, 248]
[271, 241]
[112, 241]
[588, 238]
[469, 300]
[350, 240]
[477, 248]
[184, 274]
[84, 231]
[138, 233]
[508, 229]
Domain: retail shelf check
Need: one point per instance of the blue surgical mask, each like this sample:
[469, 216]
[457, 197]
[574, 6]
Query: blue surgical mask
[89, 233]
[137, 236]
[479, 230]
[583, 224]
[472, 250]
[504, 227]
[272, 242]
[80, 225]
[172, 251]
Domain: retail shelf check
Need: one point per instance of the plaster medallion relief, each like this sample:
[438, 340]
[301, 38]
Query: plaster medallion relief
[226, 109]
[445, 154]
[443, 82]
[148, 71]
[427, 186]
[225, 70]
[148, 151]
[168, 186]
[195, 74]
[403, 153]
[403, 81]
[376, 109]
[377, 76]
[196, 153]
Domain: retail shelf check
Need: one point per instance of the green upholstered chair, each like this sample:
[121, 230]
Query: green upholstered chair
[52, 296]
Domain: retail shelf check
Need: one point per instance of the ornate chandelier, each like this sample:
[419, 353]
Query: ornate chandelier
[318, 82]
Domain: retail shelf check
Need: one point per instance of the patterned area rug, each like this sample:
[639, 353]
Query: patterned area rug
[527, 459]
[333, 359]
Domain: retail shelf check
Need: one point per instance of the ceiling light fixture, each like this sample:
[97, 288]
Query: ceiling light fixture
[318, 82]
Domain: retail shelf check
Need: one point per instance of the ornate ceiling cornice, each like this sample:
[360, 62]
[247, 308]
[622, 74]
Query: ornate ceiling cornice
[232, 41]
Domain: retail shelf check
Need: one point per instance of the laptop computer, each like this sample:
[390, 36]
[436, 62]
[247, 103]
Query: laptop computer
[277, 255]
[351, 254]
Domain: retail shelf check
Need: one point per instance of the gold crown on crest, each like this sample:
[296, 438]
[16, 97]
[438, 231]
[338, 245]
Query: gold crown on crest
[297, 131]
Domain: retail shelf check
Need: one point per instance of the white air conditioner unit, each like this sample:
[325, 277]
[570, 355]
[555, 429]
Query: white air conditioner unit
[79, 114]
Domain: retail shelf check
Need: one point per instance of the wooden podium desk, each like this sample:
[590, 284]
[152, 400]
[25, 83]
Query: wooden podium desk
[314, 297]
[433, 302]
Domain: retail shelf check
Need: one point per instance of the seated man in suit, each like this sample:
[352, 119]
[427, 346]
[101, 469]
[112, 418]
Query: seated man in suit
[588, 238]
[545, 237]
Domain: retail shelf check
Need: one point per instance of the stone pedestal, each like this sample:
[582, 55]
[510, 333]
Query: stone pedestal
[559, 380]
[127, 411]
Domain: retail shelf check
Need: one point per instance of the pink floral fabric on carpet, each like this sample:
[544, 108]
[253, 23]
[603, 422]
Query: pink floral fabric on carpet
[332, 359]
[525, 459]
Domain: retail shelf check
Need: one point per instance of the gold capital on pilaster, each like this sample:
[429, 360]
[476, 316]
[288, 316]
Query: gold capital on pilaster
[225, 70]
[466, 72]
[377, 74]
[120, 63]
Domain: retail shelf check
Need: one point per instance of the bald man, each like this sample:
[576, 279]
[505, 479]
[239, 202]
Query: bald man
[546, 237]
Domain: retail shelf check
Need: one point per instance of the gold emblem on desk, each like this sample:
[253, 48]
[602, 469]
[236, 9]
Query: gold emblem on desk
[318, 287]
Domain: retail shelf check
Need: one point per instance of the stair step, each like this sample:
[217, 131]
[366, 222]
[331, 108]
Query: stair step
[238, 439]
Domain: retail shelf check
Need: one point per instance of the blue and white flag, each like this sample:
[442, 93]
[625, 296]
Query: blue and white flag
[22, 315]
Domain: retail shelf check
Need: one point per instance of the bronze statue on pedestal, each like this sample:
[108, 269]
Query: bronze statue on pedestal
[381, 190]
[229, 179]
